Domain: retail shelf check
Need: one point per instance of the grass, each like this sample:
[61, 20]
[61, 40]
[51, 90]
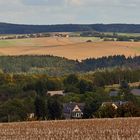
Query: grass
[97, 129]
[130, 34]
[5, 43]
[90, 38]
[124, 34]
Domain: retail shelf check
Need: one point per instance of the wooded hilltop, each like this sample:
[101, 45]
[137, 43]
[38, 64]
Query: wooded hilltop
[7, 28]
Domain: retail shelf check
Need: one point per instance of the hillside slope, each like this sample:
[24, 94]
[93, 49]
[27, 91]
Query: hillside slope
[70, 48]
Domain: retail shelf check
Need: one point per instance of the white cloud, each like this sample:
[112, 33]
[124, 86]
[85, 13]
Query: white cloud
[43, 2]
[69, 11]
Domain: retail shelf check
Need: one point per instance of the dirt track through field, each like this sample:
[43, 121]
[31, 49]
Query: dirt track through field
[72, 48]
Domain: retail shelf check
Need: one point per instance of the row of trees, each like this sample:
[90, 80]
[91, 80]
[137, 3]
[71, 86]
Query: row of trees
[48, 108]
[57, 66]
[92, 64]
[115, 76]
[20, 109]
[111, 37]
[50, 65]
[79, 83]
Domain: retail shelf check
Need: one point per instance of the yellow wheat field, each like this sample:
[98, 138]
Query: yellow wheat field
[71, 48]
[98, 129]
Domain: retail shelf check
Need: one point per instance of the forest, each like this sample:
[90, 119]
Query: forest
[55, 66]
[7, 28]
[25, 80]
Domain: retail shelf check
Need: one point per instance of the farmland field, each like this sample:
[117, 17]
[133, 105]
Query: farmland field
[98, 129]
[124, 34]
[72, 48]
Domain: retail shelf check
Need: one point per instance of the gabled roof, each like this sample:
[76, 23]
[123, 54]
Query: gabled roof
[113, 93]
[59, 92]
[69, 107]
[76, 109]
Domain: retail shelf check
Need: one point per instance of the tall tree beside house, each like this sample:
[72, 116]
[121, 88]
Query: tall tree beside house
[93, 102]
[91, 106]
[54, 108]
[40, 108]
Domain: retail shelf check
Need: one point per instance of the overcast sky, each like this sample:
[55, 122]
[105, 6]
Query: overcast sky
[69, 11]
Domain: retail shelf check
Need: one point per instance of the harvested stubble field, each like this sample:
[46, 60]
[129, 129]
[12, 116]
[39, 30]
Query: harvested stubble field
[98, 129]
[72, 48]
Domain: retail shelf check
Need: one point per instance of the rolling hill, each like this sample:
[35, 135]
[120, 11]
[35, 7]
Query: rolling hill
[7, 28]
[71, 48]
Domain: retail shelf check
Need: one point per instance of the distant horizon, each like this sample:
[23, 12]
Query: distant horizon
[113, 23]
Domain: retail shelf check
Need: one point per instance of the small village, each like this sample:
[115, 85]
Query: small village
[75, 110]
[35, 35]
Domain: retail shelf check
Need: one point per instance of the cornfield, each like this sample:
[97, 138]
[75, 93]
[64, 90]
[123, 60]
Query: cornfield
[98, 129]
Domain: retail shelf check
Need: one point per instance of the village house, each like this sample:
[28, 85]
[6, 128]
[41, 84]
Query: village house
[53, 93]
[30, 116]
[57, 34]
[135, 92]
[73, 110]
[76, 113]
[114, 104]
[114, 93]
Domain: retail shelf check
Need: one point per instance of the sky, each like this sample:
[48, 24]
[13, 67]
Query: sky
[69, 11]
